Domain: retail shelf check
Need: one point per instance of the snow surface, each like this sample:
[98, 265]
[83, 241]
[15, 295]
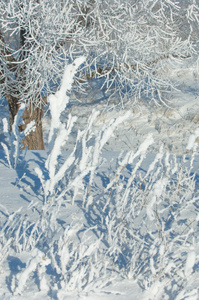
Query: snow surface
[170, 125]
[151, 138]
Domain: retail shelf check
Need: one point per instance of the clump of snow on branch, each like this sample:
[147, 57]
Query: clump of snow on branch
[58, 101]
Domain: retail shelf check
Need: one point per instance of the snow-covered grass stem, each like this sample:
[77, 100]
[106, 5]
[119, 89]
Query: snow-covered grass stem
[15, 155]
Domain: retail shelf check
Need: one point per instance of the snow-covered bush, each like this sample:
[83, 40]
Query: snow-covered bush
[146, 223]
[151, 222]
[139, 222]
[59, 133]
[135, 216]
[84, 158]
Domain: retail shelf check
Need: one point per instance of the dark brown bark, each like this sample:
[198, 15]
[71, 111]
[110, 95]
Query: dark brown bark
[34, 141]
[13, 108]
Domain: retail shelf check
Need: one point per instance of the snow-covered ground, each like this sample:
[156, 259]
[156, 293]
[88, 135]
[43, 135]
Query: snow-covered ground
[170, 124]
[98, 223]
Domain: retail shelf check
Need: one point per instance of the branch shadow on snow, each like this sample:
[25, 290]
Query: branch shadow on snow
[26, 179]
[15, 266]
[100, 211]
[3, 159]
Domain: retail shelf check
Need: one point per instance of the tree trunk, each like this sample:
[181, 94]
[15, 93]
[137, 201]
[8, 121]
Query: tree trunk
[13, 109]
[34, 141]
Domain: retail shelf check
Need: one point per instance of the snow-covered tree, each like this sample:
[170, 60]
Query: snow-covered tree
[36, 40]
[138, 36]
[126, 43]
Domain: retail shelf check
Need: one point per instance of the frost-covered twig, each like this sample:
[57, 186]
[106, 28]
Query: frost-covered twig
[38, 262]
[193, 144]
[15, 138]
[59, 133]
[59, 100]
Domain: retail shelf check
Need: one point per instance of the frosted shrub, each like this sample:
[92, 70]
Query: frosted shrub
[141, 222]
[150, 221]
[59, 133]
[136, 219]
[45, 245]
[85, 156]
[74, 265]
